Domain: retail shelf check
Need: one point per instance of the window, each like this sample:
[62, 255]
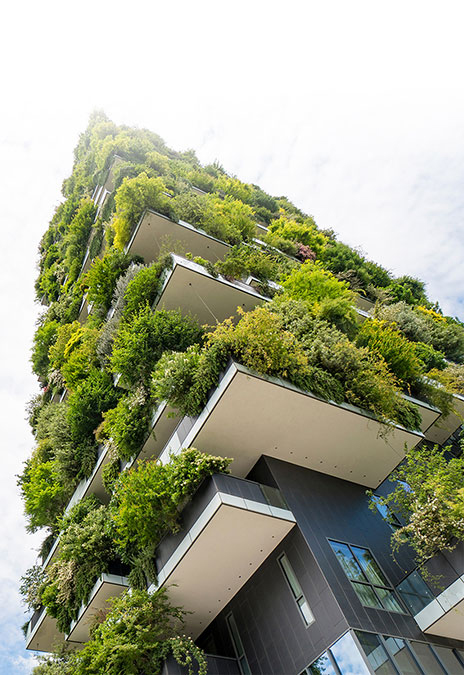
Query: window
[387, 514]
[238, 646]
[295, 588]
[367, 579]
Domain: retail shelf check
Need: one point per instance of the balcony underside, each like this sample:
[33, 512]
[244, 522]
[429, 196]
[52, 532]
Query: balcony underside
[226, 545]
[444, 427]
[249, 415]
[107, 586]
[154, 231]
[45, 635]
[429, 413]
[191, 289]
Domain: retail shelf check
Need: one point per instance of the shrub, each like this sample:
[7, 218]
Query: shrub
[452, 377]
[43, 493]
[399, 353]
[127, 424]
[74, 353]
[429, 495]
[88, 402]
[304, 232]
[100, 280]
[45, 336]
[142, 289]
[138, 633]
[132, 198]
[141, 340]
[146, 499]
[85, 552]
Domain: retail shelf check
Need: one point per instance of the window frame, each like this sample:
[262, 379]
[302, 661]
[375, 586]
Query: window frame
[300, 597]
[366, 582]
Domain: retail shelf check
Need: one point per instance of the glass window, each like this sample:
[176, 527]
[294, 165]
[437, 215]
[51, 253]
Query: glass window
[347, 657]
[238, 646]
[387, 514]
[322, 666]
[295, 587]
[426, 658]
[376, 654]
[401, 656]
[370, 583]
[449, 660]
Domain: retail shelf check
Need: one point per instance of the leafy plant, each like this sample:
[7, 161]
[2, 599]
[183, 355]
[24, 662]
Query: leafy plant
[141, 340]
[126, 425]
[428, 494]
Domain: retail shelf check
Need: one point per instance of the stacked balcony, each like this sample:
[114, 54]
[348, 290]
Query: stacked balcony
[229, 528]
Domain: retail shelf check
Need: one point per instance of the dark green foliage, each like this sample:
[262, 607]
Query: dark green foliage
[142, 339]
[127, 424]
[340, 258]
[88, 402]
[44, 337]
[101, 279]
[409, 290]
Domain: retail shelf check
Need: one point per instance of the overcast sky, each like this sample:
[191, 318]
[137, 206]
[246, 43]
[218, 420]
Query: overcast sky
[354, 110]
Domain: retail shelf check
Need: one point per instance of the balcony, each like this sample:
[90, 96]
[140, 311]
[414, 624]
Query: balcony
[154, 230]
[438, 604]
[249, 415]
[446, 426]
[107, 586]
[229, 528]
[190, 288]
[42, 633]
[93, 485]
[429, 413]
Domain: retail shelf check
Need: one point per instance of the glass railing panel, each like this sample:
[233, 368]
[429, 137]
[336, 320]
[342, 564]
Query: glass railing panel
[415, 593]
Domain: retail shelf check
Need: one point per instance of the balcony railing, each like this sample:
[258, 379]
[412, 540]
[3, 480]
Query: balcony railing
[437, 601]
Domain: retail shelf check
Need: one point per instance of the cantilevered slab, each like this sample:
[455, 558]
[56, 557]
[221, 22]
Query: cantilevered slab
[107, 586]
[429, 413]
[42, 633]
[190, 288]
[155, 230]
[445, 614]
[228, 542]
[250, 415]
[162, 425]
[445, 426]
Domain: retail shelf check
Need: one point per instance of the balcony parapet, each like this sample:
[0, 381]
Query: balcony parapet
[229, 528]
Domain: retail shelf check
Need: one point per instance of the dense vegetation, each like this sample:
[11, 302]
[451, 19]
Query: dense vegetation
[309, 334]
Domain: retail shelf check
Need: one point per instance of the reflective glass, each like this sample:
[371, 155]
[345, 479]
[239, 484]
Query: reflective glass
[370, 567]
[304, 609]
[347, 656]
[389, 600]
[415, 592]
[322, 666]
[426, 658]
[376, 654]
[347, 561]
[402, 657]
[449, 660]
[291, 578]
[366, 595]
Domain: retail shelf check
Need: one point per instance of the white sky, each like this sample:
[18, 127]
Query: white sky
[352, 109]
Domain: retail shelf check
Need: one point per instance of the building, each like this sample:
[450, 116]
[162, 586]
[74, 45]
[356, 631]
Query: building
[284, 566]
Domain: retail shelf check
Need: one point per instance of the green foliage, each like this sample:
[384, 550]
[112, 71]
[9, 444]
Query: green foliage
[86, 551]
[146, 500]
[227, 219]
[139, 632]
[141, 340]
[244, 260]
[340, 259]
[132, 198]
[409, 290]
[43, 493]
[327, 297]
[399, 353]
[88, 402]
[74, 352]
[142, 289]
[101, 279]
[30, 586]
[452, 377]
[45, 336]
[126, 425]
[429, 495]
[304, 232]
